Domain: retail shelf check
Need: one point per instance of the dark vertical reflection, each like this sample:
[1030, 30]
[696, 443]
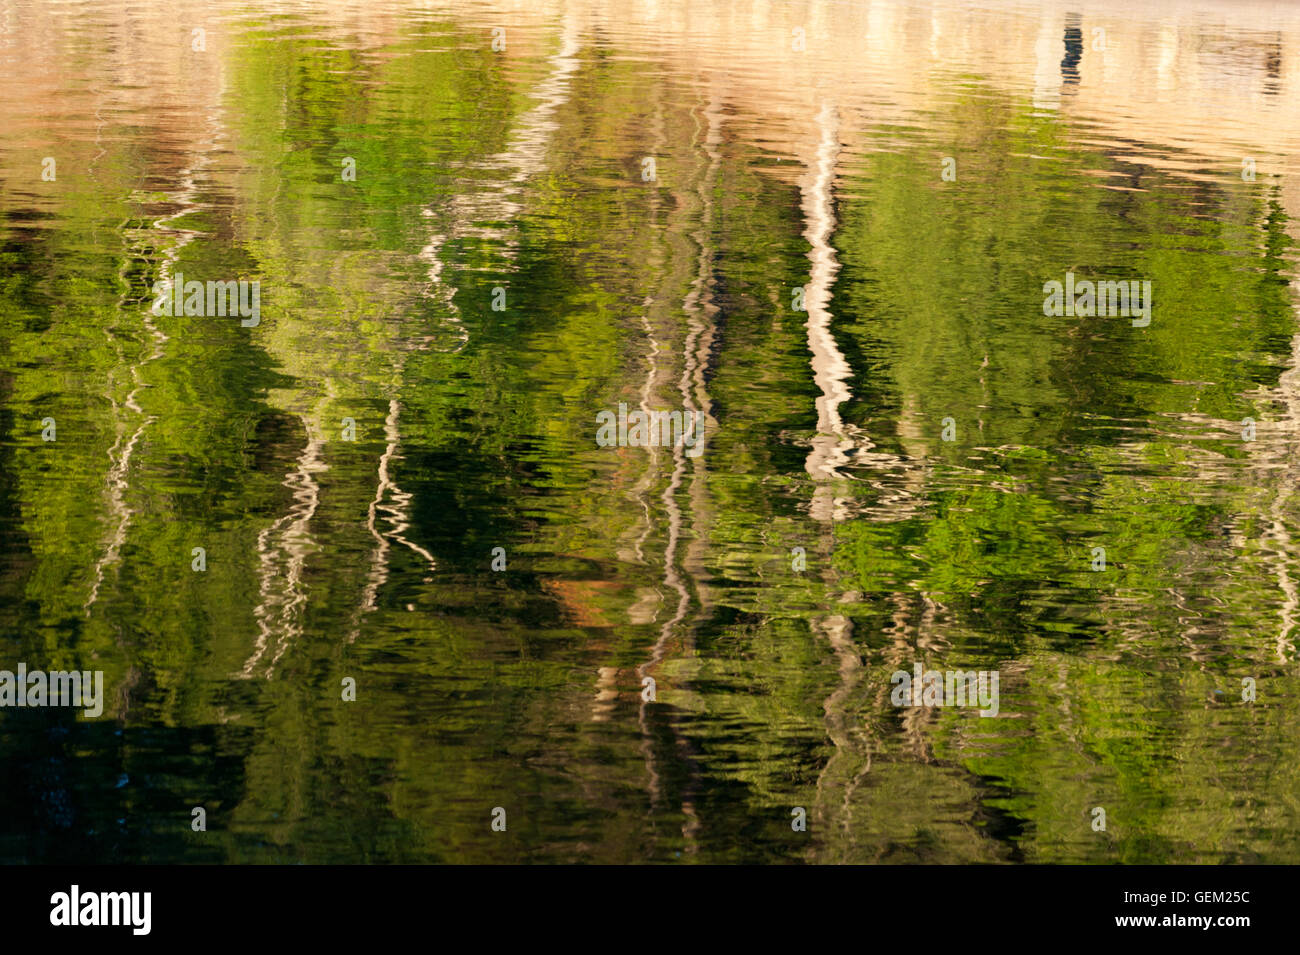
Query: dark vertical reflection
[1073, 50]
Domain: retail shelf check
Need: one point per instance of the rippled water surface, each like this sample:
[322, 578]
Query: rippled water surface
[797, 269]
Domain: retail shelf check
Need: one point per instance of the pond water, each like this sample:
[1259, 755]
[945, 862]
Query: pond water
[358, 566]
